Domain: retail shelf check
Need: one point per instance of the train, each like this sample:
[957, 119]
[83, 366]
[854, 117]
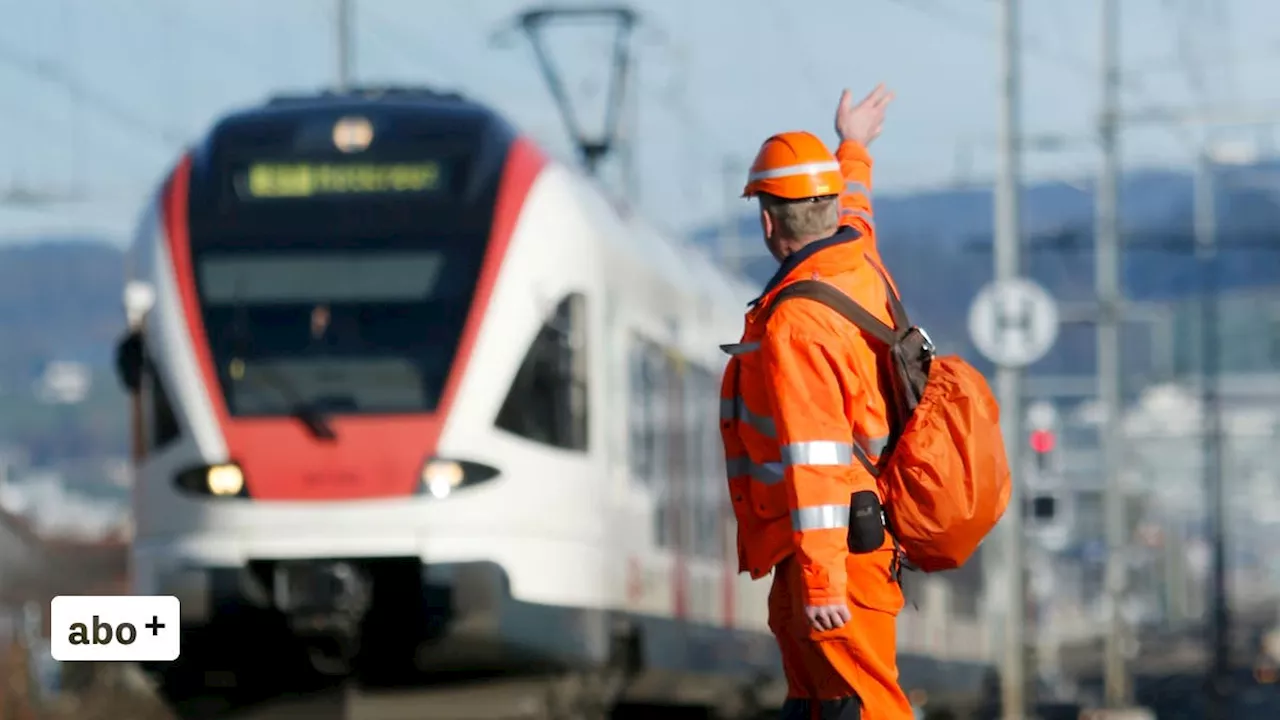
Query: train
[411, 400]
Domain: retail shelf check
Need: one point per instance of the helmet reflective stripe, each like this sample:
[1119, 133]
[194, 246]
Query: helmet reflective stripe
[801, 169]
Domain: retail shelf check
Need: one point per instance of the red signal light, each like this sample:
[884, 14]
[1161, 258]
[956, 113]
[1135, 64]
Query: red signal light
[1042, 441]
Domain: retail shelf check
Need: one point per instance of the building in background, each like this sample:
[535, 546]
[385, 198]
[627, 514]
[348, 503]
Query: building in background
[64, 383]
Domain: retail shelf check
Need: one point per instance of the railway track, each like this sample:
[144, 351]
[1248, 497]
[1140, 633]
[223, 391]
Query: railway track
[566, 698]
[480, 701]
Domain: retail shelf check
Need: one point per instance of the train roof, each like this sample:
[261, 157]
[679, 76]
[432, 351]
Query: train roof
[382, 96]
[449, 107]
[687, 265]
[366, 93]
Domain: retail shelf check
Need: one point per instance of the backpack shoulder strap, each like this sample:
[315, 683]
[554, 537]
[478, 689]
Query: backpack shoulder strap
[896, 310]
[831, 296]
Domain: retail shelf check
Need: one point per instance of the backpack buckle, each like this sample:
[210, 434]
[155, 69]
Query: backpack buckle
[896, 562]
[929, 348]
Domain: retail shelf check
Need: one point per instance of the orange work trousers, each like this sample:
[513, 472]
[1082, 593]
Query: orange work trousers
[850, 673]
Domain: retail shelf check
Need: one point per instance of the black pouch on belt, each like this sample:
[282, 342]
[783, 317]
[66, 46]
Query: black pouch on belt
[866, 523]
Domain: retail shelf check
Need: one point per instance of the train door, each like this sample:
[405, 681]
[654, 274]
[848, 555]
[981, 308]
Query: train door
[615, 349]
[704, 499]
[675, 501]
[649, 564]
[694, 499]
[675, 458]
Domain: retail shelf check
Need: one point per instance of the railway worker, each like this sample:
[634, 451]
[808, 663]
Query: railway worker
[797, 389]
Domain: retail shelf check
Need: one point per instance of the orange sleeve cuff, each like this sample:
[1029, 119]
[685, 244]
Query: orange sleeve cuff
[821, 585]
[852, 150]
[829, 595]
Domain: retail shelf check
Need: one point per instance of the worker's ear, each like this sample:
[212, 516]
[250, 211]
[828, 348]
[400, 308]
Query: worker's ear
[766, 223]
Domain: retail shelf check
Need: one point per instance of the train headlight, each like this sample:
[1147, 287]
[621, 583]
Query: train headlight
[440, 477]
[224, 480]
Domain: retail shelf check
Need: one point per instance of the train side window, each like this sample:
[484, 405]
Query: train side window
[640, 416]
[547, 402]
[674, 437]
[671, 462]
[708, 478]
[695, 408]
[650, 390]
[164, 423]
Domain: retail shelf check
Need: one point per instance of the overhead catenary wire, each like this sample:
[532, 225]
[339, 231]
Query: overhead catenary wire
[100, 102]
[701, 146]
[85, 97]
[808, 70]
[970, 24]
[177, 18]
[81, 96]
[1038, 46]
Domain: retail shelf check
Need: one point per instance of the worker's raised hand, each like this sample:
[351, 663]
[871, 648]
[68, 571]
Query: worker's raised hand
[862, 122]
[827, 617]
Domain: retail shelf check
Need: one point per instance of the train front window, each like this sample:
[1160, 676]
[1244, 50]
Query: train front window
[334, 331]
[338, 280]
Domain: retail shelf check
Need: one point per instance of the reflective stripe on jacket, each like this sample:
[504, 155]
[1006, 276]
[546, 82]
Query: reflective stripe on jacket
[795, 396]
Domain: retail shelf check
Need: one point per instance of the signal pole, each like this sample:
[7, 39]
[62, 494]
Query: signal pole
[344, 14]
[1206, 226]
[1110, 306]
[1008, 266]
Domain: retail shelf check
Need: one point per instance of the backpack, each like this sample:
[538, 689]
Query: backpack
[944, 477]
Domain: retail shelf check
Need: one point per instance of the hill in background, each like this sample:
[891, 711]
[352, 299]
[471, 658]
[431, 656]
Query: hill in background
[60, 300]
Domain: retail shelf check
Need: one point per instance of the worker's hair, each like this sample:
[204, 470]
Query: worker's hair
[808, 218]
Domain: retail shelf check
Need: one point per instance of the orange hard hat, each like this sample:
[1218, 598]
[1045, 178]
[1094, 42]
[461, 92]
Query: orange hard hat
[794, 165]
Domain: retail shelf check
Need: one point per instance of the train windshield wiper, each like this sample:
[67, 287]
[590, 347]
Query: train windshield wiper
[306, 412]
[315, 421]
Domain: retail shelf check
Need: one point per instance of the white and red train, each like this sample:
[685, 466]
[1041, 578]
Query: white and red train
[411, 396]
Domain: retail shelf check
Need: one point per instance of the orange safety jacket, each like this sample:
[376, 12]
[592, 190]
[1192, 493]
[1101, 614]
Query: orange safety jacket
[796, 394]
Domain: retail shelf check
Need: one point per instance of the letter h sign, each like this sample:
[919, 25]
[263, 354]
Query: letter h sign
[1018, 320]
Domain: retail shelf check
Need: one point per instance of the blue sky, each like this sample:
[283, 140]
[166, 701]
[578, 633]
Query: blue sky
[107, 91]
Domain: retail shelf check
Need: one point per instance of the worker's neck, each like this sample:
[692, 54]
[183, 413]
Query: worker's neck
[790, 246]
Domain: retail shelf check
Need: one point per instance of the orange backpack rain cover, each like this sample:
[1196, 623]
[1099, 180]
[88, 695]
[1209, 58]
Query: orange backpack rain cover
[947, 482]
